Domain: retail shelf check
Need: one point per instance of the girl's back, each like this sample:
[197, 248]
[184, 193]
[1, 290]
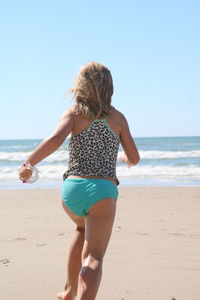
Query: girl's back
[93, 147]
[114, 120]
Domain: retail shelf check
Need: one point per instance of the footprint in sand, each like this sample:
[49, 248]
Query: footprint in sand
[40, 245]
[19, 239]
[5, 261]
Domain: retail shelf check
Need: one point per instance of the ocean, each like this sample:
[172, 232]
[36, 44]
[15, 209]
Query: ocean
[165, 161]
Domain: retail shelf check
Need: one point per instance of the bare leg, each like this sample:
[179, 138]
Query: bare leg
[98, 228]
[74, 259]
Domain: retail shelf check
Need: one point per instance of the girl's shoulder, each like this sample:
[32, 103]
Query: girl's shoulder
[69, 113]
[79, 123]
[116, 121]
[117, 115]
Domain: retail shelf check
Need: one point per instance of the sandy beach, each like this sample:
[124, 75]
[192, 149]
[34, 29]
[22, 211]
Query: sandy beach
[154, 252]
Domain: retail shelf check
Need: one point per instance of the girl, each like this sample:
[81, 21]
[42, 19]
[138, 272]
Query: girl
[89, 190]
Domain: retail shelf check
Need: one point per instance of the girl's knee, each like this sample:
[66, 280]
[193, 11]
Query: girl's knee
[93, 262]
[80, 229]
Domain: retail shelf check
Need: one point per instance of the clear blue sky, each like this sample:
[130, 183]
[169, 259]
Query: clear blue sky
[151, 47]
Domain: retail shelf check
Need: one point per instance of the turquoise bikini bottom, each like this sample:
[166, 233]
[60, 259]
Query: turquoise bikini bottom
[79, 194]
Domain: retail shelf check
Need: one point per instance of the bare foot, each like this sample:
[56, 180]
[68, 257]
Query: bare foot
[64, 296]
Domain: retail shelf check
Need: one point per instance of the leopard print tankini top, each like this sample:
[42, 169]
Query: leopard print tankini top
[93, 152]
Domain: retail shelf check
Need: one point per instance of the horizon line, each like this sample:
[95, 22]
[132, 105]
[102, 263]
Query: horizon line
[144, 137]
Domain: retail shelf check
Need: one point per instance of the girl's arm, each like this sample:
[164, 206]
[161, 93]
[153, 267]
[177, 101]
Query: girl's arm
[49, 145]
[131, 155]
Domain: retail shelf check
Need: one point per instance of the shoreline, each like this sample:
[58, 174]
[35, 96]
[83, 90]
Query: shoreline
[120, 187]
[124, 182]
[153, 253]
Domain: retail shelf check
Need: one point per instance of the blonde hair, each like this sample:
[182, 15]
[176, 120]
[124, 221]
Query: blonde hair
[93, 90]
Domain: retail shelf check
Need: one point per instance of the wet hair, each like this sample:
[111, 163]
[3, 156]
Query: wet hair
[93, 90]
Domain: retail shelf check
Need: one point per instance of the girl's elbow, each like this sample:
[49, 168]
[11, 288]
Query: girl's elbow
[135, 160]
[138, 159]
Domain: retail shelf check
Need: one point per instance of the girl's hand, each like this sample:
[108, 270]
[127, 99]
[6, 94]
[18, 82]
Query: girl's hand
[125, 159]
[25, 174]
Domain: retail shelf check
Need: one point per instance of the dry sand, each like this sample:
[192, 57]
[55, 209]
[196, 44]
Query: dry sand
[154, 252]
